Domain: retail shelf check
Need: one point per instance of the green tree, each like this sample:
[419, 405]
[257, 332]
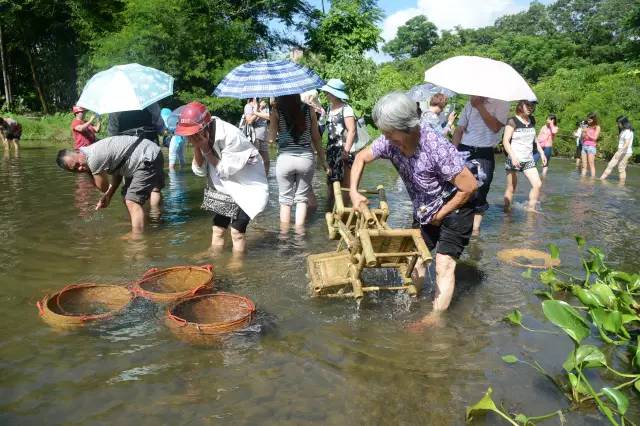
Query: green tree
[349, 26]
[414, 38]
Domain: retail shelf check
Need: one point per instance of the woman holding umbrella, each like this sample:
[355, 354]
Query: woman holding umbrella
[236, 188]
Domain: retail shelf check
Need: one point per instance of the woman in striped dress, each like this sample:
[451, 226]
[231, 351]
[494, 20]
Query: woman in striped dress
[295, 127]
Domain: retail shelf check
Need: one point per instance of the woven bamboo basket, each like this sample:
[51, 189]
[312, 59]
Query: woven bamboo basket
[77, 305]
[527, 258]
[205, 319]
[171, 284]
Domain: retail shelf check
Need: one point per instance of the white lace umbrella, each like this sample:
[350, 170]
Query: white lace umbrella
[477, 76]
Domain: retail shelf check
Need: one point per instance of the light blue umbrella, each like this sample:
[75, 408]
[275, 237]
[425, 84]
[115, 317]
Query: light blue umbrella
[267, 79]
[125, 88]
[423, 92]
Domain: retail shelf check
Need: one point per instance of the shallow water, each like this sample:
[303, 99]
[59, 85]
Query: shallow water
[305, 360]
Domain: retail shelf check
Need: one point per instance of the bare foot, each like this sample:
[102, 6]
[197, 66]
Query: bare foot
[132, 236]
[432, 320]
[507, 205]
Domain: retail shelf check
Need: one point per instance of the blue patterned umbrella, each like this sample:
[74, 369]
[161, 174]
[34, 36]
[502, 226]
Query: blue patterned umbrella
[125, 88]
[267, 79]
[423, 92]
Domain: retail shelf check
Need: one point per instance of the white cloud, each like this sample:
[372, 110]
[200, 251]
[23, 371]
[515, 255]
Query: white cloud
[447, 14]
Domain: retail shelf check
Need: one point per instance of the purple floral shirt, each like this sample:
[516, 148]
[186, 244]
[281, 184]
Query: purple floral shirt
[427, 173]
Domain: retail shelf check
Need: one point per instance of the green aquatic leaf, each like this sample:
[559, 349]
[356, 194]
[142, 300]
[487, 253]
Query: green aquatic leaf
[569, 364]
[636, 357]
[548, 276]
[622, 276]
[578, 385]
[521, 419]
[554, 251]
[621, 401]
[543, 293]
[514, 317]
[510, 359]
[636, 385]
[581, 241]
[604, 294]
[610, 321]
[589, 356]
[564, 316]
[627, 318]
[596, 264]
[586, 296]
[485, 404]
[527, 274]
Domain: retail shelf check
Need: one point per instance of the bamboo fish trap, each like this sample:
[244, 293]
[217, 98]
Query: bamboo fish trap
[366, 241]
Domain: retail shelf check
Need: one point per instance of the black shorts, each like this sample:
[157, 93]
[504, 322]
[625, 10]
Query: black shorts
[240, 223]
[578, 151]
[453, 234]
[147, 178]
[486, 158]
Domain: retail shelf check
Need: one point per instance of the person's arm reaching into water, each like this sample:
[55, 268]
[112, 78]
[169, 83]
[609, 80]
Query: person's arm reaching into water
[364, 157]
[105, 199]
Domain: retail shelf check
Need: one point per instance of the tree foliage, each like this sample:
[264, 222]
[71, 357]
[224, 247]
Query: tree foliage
[414, 38]
[349, 26]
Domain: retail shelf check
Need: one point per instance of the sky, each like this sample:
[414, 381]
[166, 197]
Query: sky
[445, 14]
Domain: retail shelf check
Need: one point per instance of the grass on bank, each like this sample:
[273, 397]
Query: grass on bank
[55, 130]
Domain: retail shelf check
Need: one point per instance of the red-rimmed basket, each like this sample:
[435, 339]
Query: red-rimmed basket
[77, 305]
[205, 319]
[171, 284]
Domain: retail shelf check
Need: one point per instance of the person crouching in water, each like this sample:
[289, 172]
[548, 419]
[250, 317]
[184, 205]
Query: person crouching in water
[237, 187]
[519, 135]
[139, 161]
[437, 180]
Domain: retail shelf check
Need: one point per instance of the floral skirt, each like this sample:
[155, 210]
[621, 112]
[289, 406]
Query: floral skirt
[336, 164]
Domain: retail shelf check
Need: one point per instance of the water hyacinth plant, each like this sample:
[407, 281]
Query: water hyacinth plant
[607, 309]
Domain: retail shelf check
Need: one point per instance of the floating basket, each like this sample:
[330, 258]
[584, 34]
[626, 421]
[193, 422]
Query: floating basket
[171, 284]
[527, 258]
[79, 304]
[205, 319]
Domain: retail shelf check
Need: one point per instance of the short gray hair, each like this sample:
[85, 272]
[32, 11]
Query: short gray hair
[395, 111]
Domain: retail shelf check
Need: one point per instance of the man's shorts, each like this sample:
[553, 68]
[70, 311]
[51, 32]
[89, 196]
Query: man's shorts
[240, 223]
[452, 235]
[589, 149]
[147, 178]
[508, 165]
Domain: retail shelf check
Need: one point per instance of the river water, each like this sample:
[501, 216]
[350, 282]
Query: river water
[305, 360]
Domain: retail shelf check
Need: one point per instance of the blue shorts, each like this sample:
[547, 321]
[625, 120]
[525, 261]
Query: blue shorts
[589, 149]
[548, 152]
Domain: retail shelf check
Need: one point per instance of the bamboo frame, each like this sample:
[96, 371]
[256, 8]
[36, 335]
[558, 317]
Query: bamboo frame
[365, 241]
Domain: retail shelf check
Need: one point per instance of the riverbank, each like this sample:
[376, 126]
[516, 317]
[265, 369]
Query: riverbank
[55, 130]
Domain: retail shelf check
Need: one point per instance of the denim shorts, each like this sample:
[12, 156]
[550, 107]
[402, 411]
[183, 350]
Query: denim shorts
[589, 149]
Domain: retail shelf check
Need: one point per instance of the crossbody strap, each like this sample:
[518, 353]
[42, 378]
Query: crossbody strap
[127, 154]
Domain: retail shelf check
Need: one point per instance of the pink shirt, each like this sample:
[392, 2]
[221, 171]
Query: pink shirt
[546, 135]
[589, 136]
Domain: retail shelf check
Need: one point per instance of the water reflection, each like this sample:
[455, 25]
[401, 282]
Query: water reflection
[84, 195]
[305, 360]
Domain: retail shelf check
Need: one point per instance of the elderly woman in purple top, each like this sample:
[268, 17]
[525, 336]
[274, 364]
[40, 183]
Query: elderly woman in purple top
[437, 180]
